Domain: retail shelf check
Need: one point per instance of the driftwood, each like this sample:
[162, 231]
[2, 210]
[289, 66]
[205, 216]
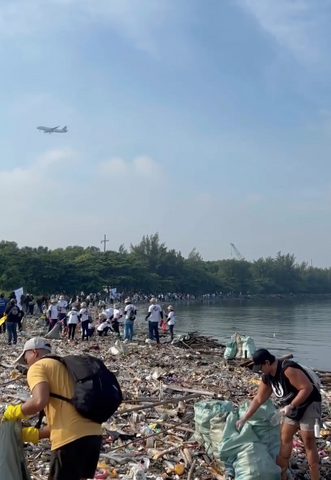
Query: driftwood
[164, 402]
[190, 473]
[189, 390]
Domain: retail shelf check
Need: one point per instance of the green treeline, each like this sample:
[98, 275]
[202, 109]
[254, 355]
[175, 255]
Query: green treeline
[151, 267]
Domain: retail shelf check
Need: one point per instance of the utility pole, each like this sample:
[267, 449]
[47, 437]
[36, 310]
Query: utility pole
[104, 241]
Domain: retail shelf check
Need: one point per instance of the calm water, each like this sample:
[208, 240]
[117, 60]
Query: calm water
[300, 327]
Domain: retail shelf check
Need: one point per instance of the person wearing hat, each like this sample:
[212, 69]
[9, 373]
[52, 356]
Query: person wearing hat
[130, 316]
[75, 441]
[171, 320]
[301, 405]
[154, 315]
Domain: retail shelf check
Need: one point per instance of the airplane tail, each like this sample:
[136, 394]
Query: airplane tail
[65, 129]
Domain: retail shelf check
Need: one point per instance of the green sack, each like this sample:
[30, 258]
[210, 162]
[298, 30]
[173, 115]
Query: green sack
[12, 461]
[249, 347]
[267, 434]
[230, 350]
[204, 412]
[252, 450]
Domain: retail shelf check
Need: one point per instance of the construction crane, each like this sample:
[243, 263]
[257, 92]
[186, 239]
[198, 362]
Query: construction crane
[235, 250]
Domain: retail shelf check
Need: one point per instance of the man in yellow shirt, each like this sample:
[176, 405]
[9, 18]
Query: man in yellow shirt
[75, 441]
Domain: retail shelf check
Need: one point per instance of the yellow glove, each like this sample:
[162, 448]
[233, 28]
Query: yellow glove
[13, 413]
[30, 435]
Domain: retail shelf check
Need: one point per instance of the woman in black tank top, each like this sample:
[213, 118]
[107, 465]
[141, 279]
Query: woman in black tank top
[300, 401]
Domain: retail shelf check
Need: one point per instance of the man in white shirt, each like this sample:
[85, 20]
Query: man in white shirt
[130, 316]
[84, 318]
[53, 313]
[154, 315]
[62, 309]
[73, 320]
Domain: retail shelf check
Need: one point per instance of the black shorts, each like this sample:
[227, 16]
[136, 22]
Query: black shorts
[76, 460]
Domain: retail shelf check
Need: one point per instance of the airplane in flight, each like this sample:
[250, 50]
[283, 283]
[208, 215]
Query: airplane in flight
[53, 130]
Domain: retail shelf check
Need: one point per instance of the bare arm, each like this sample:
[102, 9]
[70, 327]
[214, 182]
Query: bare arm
[44, 432]
[301, 382]
[38, 401]
[262, 396]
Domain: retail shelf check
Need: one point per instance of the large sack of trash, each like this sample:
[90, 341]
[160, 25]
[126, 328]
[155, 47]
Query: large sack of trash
[253, 450]
[230, 350]
[210, 417]
[12, 461]
[239, 347]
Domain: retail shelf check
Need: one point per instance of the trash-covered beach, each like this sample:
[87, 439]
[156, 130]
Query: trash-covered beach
[177, 398]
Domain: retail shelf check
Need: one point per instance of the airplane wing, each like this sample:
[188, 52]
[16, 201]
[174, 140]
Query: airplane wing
[54, 128]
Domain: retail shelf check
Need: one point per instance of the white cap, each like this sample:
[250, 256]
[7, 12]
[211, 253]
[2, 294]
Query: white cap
[35, 343]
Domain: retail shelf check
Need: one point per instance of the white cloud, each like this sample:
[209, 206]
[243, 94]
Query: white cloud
[29, 187]
[137, 20]
[142, 166]
[300, 26]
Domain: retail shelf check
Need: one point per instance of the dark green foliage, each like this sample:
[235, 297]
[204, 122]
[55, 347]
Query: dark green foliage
[151, 267]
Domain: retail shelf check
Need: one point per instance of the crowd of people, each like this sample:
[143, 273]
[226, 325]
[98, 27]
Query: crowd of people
[92, 314]
[70, 433]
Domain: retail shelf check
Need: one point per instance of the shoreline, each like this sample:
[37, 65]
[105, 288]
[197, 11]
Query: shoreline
[241, 298]
[160, 385]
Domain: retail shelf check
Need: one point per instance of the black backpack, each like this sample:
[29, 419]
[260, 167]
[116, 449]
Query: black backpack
[97, 394]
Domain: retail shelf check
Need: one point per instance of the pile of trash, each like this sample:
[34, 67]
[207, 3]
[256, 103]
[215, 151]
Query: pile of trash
[178, 416]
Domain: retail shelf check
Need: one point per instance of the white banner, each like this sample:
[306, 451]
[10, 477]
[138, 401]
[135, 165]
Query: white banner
[19, 293]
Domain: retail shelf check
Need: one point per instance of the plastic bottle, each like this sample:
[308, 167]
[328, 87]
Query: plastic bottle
[317, 429]
[276, 418]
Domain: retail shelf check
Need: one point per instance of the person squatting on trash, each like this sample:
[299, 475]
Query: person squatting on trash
[301, 402]
[154, 315]
[75, 440]
[104, 326]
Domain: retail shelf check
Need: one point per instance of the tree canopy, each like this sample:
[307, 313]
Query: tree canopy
[151, 267]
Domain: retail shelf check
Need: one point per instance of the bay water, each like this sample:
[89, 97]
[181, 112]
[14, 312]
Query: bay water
[301, 327]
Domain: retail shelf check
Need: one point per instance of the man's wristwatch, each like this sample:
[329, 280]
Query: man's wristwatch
[292, 406]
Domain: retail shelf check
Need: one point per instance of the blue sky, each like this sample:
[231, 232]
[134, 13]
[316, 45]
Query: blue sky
[209, 122]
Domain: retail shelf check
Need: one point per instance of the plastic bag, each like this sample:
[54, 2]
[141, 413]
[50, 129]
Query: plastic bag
[204, 412]
[260, 424]
[230, 350]
[238, 338]
[249, 347]
[12, 461]
[253, 450]
[217, 425]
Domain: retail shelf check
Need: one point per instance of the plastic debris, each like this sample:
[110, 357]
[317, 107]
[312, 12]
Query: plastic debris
[162, 386]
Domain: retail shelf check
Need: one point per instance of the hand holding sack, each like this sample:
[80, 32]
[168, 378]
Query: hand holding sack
[30, 435]
[13, 413]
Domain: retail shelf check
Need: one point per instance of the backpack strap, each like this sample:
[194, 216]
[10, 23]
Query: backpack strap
[40, 419]
[60, 397]
[55, 395]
